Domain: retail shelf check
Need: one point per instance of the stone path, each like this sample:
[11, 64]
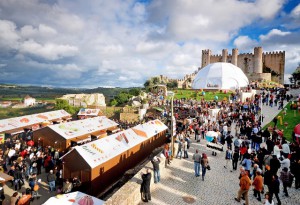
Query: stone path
[179, 186]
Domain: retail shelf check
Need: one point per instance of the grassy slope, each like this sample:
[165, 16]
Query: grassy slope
[292, 117]
[198, 94]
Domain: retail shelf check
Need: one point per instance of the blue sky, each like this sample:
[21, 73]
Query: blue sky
[92, 43]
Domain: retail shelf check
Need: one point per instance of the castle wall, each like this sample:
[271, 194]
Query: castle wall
[276, 62]
[258, 66]
[245, 61]
[224, 55]
[205, 58]
[234, 59]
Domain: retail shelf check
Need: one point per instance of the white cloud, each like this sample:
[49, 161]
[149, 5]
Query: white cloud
[28, 31]
[244, 42]
[8, 35]
[296, 12]
[272, 33]
[48, 51]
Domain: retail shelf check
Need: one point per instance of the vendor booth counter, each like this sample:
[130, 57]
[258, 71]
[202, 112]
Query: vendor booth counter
[100, 163]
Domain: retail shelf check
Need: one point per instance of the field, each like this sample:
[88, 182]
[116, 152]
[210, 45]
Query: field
[196, 94]
[292, 117]
[16, 112]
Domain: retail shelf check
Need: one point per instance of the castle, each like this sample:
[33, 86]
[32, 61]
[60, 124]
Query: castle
[258, 66]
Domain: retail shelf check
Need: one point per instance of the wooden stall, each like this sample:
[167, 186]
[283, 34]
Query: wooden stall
[101, 163]
[17, 125]
[88, 113]
[64, 135]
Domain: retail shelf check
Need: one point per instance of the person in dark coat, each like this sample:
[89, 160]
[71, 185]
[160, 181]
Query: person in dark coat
[145, 186]
[274, 165]
[274, 188]
[267, 177]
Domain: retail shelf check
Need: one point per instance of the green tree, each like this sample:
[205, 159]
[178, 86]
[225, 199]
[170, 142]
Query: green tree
[63, 104]
[135, 91]
[113, 102]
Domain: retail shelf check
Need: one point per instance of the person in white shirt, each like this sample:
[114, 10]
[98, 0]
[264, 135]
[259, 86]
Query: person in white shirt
[285, 148]
[268, 201]
[276, 150]
[285, 163]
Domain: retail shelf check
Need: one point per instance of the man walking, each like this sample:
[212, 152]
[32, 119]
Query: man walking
[51, 180]
[245, 184]
[197, 160]
[155, 162]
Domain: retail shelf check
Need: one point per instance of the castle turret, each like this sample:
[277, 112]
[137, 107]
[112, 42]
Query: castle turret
[205, 57]
[258, 68]
[234, 58]
[224, 55]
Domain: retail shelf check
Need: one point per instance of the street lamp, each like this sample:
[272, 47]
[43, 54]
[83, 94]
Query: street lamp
[171, 94]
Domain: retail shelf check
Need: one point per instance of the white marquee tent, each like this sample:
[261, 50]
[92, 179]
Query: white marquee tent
[224, 76]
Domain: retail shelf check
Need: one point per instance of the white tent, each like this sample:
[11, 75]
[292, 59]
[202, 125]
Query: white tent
[224, 76]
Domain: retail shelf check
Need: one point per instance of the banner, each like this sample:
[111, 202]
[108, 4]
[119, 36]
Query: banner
[2, 136]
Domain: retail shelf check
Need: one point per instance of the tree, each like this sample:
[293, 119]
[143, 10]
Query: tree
[135, 91]
[295, 76]
[63, 104]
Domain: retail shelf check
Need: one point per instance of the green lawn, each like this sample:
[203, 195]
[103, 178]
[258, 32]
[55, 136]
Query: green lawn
[292, 117]
[196, 94]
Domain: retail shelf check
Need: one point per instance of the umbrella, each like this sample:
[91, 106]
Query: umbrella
[297, 130]
[86, 200]
[210, 135]
[30, 143]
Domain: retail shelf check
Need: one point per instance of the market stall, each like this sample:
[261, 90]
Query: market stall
[17, 125]
[88, 113]
[102, 162]
[62, 136]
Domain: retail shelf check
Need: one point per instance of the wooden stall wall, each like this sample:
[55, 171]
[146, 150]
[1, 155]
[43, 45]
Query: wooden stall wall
[109, 172]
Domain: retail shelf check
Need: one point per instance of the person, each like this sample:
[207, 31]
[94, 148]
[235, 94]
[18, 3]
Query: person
[155, 162]
[228, 156]
[14, 198]
[268, 200]
[204, 164]
[235, 159]
[258, 185]
[51, 180]
[145, 186]
[185, 148]
[245, 184]
[274, 188]
[247, 163]
[18, 179]
[285, 178]
[76, 184]
[67, 187]
[215, 140]
[25, 199]
[274, 165]
[197, 160]
[167, 155]
[179, 151]
[2, 196]
[267, 177]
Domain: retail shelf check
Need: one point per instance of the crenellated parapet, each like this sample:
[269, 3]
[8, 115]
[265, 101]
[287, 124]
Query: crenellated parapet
[251, 63]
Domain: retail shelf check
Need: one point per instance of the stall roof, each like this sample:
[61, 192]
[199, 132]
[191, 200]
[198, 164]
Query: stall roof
[151, 128]
[104, 149]
[29, 120]
[72, 198]
[72, 129]
[88, 112]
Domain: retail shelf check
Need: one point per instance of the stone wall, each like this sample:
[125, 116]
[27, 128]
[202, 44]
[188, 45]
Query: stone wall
[129, 193]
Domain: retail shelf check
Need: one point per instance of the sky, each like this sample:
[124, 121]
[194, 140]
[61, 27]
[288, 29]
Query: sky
[121, 43]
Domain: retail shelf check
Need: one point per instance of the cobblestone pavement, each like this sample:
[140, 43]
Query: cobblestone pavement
[179, 186]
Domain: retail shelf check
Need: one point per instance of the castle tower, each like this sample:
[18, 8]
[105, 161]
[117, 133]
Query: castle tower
[235, 53]
[224, 55]
[205, 58]
[258, 68]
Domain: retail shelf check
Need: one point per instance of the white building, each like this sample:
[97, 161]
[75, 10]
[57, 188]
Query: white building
[84, 100]
[29, 101]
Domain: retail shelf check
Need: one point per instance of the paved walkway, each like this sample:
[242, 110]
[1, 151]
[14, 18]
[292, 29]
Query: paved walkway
[179, 185]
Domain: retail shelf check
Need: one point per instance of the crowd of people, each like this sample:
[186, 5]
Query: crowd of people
[267, 160]
[24, 161]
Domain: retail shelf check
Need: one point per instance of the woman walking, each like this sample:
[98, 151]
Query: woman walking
[204, 164]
